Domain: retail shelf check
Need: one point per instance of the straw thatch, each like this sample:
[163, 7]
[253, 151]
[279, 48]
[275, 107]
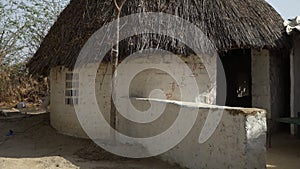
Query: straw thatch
[230, 24]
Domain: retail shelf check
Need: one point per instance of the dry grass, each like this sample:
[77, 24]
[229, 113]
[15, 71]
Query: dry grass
[17, 86]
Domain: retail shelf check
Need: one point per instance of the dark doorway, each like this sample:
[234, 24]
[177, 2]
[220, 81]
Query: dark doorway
[237, 67]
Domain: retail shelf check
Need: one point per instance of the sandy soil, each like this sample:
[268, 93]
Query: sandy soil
[284, 153]
[35, 145]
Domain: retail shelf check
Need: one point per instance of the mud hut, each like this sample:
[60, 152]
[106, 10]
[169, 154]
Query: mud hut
[247, 35]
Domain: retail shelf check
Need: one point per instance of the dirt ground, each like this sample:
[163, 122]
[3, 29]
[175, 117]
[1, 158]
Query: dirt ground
[284, 153]
[35, 145]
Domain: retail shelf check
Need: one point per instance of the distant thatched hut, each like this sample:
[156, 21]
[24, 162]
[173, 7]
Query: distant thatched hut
[247, 35]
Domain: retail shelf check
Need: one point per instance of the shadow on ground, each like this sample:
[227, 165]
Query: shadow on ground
[35, 145]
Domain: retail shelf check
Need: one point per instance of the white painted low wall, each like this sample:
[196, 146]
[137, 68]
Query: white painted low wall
[237, 143]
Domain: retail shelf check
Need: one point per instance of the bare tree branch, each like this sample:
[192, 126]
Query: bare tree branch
[119, 7]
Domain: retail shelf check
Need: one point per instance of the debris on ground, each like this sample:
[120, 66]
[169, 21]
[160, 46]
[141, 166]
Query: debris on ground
[21, 105]
[9, 133]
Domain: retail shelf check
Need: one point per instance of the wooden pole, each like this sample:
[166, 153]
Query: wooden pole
[115, 62]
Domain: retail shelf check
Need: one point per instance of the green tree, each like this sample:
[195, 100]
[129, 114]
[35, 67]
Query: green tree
[23, 25]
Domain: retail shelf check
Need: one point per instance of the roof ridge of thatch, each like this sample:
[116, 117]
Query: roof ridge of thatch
[228, 23]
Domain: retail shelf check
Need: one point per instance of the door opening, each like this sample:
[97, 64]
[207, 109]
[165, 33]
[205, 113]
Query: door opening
[237, 67]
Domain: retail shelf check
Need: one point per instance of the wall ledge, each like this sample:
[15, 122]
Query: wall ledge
[235, 110]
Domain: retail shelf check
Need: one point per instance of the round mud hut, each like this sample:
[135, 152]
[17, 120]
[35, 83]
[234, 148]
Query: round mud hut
[247, 35]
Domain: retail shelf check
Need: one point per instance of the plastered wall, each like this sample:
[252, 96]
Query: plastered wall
[64, 118]
[238, 142]
[261, 89]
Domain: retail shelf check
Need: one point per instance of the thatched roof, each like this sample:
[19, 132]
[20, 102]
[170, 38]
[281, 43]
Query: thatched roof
[230, 24]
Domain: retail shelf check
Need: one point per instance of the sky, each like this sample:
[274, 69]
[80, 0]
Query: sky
[288, 9]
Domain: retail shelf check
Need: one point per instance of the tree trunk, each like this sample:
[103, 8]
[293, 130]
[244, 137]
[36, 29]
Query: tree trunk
[115, 62]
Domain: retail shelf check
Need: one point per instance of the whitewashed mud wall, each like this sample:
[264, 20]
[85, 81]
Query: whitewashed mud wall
[64, 119]
[269, 83]
[261, 89]
[238, 142]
